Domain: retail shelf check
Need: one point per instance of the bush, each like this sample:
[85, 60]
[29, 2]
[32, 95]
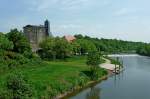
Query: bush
[12, 64]
[82, 80]
[18, 87]
[51, 93]
[5, 44]
[55, 48]
[14, 59]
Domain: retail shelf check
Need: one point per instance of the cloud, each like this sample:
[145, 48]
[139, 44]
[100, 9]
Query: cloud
[42, 5]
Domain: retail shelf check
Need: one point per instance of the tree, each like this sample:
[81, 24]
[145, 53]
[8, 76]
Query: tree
[5, 44]
[55, 48]
[86, 46]
[76, 48]
[47, 46]
[79, 36]
[93, 60]
[62, 48]
[20, 42]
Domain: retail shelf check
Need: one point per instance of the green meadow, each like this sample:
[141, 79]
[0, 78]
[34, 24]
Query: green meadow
[51, 78]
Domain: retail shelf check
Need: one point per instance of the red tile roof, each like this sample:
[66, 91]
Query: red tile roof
[69, 38]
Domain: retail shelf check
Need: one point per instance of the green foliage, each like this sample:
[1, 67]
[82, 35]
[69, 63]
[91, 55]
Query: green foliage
[84, 46]
[20, 42]
[83, 79]
[17, 87]
[79, 36]
[112, 45]
[51, 93]
[14, 59]
[144, 50]
[5, 44]
[93, 60]
[52, 78]
[55, 48]
[76, 48]
[62, 48]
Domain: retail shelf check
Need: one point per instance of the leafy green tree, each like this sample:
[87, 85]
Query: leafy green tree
[5, 44]
[62, 48]
[20, 42]
[76, 48]
[93, 60]
[86, 46]
[47, 46]
[55, 48]
[79, 36]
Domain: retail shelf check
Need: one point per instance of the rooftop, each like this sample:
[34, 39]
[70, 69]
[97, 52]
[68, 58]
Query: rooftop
[69, 38]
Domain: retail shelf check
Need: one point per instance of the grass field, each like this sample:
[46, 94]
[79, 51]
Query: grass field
[53, 78]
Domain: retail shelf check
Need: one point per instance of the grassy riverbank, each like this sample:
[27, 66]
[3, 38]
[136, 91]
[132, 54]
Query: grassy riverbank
[49, 79]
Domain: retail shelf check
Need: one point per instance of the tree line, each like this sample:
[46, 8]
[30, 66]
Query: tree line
[53, 48]
[15, 50]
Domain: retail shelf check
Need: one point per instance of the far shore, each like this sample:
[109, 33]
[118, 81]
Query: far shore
[123, 55]
[90, 83]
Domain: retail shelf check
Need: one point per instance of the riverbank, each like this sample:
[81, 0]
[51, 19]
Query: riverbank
[54, 78]
[129, 84]
[77, 90]
[108, 65]
[105, 65]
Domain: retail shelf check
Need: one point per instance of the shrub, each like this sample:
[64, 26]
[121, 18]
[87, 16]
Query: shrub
[12, 64]
[18, 87]
[5, 44]
[82, 80]
[93, 60]
[14, 59]
[51, 93]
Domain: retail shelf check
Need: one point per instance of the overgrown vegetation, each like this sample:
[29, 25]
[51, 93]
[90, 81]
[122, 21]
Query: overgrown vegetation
[55, 48]
[50, 79]
[109, 46]
[62, 72]
[58, 67]
[14, 50]
[144, 50]
[93, 60]
[16, 87]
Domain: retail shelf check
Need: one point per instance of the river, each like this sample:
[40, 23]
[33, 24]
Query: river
[132, 83]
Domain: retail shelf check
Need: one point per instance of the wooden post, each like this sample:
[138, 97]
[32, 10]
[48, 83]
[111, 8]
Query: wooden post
[115, 68]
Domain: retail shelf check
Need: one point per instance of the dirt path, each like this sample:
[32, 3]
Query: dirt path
[107, 65]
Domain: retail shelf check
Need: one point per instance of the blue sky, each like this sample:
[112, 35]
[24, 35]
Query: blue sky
[121, 19]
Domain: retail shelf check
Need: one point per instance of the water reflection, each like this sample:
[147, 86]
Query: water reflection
[94, 93]
[132, 83]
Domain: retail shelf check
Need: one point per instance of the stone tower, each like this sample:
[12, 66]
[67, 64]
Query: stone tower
[47, 28]
[37, 33]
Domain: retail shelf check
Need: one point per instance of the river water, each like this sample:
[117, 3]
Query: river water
[132, 83]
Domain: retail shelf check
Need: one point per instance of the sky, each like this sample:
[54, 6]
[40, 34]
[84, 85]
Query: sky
[113, 19]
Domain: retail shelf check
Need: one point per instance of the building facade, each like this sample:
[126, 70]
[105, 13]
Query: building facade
[35, 34]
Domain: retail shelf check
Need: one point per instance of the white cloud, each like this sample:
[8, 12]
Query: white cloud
[41, 5]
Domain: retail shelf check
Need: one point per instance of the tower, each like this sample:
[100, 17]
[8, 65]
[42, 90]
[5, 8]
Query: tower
[47, 28]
